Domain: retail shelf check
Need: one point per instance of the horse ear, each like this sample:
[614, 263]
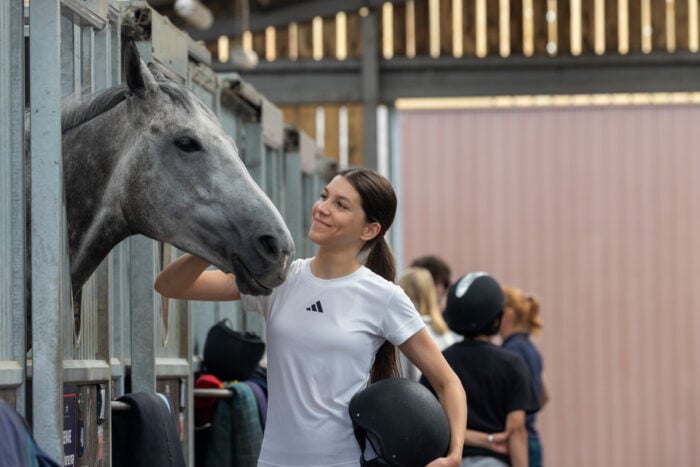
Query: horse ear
[138, 77]
[156, 73]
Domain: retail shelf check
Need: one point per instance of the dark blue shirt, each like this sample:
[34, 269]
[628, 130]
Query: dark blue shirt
[520, 344]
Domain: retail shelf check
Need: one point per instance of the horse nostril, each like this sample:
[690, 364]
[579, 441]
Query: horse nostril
[269, 246]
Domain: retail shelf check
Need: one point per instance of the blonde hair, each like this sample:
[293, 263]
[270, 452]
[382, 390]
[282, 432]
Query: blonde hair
[526, 307]
[420, 288]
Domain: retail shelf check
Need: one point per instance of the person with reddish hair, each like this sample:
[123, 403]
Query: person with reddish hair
[520, 320]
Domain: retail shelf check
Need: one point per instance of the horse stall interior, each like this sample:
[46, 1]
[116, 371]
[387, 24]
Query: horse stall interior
[62, 363]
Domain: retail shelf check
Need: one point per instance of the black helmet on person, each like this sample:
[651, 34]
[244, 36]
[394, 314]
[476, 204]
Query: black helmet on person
[474, 305]
[403, 422]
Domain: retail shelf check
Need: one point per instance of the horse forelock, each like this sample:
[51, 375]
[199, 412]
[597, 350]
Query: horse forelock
[184, 98]
[76, 111]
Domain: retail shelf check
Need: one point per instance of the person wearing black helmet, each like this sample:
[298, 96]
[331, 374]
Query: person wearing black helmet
[333, 326]
[497, 380]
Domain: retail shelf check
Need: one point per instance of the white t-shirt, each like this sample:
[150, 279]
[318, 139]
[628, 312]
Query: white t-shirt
[322, 337]
[443, 341]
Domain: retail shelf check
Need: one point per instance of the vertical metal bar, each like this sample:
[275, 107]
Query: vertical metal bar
[647, 30]
[293, 32]
[552, 20]
[142, 266]
[370, 87]
[317, 38]
[623, 33]
[410, 28]
[46, 208]
[457, 28]
[341, 35]
[528, 28]
[434, 27]
[270, 44]
[575, 22]
[481, 32]
[223, 49]
[12, 274]
[599, 27]
[671, 26]
[504, 28]
[693, 25]
[388, 30]
[395, 177]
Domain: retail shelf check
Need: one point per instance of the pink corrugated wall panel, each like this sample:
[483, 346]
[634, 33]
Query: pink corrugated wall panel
[597, 212]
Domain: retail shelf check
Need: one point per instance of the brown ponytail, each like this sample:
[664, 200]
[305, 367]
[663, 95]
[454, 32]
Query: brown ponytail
[379, 204]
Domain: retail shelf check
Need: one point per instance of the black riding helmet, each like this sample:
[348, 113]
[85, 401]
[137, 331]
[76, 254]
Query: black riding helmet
[403, 421]
[474, 303]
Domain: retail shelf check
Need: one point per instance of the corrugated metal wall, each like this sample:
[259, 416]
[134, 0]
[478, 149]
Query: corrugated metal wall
[596, 210]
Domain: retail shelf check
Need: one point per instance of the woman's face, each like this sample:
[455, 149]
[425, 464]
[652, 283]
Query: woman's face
[337, 216]
[508, 319]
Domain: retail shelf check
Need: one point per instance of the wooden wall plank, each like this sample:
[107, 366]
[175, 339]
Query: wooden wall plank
[422, 28]
[399, 30]
[354, 35]
[355, 135]
[331, 147]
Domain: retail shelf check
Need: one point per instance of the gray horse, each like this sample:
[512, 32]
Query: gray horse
[149, 158]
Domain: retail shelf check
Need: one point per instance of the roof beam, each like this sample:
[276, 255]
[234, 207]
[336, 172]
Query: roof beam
[332, 81]
[230, 25]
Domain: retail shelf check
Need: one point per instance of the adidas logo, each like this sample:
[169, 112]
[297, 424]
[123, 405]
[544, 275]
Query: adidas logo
[316, 307]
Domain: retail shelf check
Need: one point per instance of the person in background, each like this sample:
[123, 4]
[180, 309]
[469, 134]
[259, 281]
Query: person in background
[520, 320]
[332, 327]
[497, 380]
[441, 272]
[418, 285]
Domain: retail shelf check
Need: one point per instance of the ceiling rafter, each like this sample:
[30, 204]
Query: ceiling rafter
[333, 81]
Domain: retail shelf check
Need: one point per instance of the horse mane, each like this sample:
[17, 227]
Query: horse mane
[76, 111]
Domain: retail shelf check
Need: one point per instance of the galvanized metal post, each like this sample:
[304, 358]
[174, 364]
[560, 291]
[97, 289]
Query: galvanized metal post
[370, 87]
[143, 323]
[12, 219]
[46, 214]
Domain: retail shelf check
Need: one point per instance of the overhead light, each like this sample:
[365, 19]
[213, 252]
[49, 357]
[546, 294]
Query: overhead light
[194, 13]
[243, 58]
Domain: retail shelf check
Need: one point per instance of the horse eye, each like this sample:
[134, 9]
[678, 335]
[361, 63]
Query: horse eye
[188, 144]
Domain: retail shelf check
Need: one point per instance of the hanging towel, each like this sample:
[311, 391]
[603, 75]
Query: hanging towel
[236, 434]
[17, 445]
[147, 434]
[261, 399]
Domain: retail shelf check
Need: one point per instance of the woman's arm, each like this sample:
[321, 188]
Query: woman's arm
[479, 439]
[425, 354]
[186, 278]
[517, 439]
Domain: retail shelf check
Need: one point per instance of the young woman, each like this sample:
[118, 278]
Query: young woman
[520, 320]
[332, 327]
[418, 285]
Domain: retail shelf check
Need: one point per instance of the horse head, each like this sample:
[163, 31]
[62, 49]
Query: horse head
[157, 162]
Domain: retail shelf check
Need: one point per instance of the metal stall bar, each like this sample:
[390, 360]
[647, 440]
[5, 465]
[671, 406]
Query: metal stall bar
[300, 152]
[207, 86]
[12, 218]
[46, 216]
